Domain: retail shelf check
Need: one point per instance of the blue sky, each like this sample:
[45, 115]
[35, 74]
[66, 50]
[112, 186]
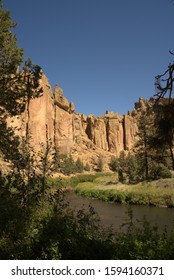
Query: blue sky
[104, 54]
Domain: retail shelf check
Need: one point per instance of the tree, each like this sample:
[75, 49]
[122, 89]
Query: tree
[132, 168]
[165, 130]
[10, 57]
[145, 131]
[68, 166]
[16, 87]
[164, 82]
[164, 121]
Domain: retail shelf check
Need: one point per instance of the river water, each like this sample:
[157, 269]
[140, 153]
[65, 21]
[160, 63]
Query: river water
[116, 214]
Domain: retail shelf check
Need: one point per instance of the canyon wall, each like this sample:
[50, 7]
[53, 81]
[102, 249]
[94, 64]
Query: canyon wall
[53, 117]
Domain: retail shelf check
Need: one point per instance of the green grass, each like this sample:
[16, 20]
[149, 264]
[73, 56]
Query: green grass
[156, 193]
[73, 181]
[105, 186]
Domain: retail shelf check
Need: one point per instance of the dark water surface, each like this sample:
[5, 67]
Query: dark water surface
[116, 214]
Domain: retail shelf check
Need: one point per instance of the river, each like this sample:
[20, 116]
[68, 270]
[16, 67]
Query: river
[116, 214]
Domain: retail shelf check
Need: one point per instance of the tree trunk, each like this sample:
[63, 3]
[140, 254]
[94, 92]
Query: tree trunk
[172, 155]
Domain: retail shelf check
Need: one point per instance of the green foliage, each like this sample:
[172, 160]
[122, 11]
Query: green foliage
[49, 231]
[100, 163]
[158, 170]
[75, 180]
[67, 165]
[44, 227]
[79, 166]
[16, 88]
[132, 168]
[143, 243]
[67, 236]
[114, 163]
[156, 193]
[35, 220]
[87, 167]
[11, 54]
[17, 205]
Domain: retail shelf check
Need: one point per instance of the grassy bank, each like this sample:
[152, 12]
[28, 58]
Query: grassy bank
[74, 180]
[107, 188]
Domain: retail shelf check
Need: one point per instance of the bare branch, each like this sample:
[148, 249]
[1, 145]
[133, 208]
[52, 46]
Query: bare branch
[164, 82]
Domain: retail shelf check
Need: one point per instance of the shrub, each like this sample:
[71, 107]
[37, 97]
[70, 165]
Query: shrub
[158, 170]
[114, 163]
[68, 165]
[79, 166]
[87, 167]
[100, 163]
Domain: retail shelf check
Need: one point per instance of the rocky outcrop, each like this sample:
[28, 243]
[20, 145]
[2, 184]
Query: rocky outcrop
[115, 133]
[60, 100]
[53, 117]
[96, 131]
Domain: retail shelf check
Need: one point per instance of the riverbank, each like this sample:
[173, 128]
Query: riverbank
[107, 188]
[156, 193]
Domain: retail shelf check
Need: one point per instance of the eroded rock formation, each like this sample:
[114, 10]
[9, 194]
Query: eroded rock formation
[53, 116]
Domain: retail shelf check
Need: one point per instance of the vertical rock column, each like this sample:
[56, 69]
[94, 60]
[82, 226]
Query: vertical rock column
[64, 138]
[41, 116]
[130, 131]
[115, 134]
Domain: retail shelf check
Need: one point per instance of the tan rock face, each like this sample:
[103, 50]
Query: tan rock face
[64, 137]
[59, 99]
[115, 134]
[41, 115]
[130, 132]
[74, 133]
[96, 131]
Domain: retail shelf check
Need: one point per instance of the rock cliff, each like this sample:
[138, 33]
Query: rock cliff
[53, 117]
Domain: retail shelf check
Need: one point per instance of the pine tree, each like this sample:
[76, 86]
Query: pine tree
[145, 131]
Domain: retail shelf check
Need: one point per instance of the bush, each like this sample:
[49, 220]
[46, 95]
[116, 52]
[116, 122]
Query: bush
[158, 170]
[68, 166]
[49, 230]
[114, 163]
[79, 166]
[87, 167]
[100, 163]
